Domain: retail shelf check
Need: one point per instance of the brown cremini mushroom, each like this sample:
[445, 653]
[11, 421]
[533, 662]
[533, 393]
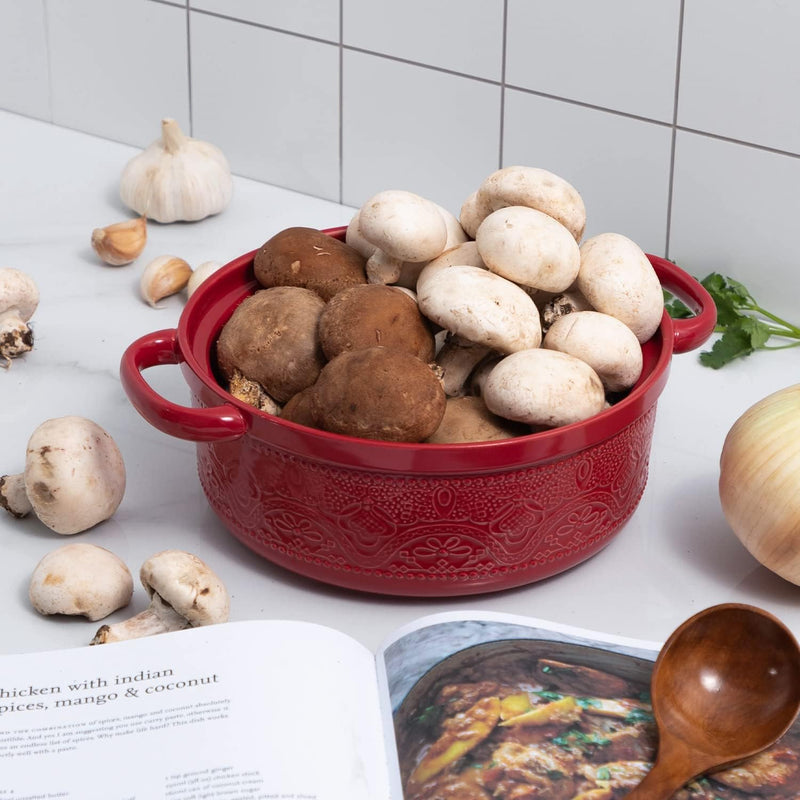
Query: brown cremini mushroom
[74, 476]
[379, 393]
[374, 315]
[310, 259]
[184, 593]
[467, 419]
[80, 579]
[272, 338]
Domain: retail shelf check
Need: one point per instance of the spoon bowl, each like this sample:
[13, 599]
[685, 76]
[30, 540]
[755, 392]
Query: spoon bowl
[725, 686]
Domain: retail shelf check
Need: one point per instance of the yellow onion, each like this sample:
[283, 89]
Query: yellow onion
[759, 484]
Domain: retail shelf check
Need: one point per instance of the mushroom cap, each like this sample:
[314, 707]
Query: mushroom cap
[379, 393]
[605, 343]
[80, 579]
[18, 293]
[529, 247]
[74, 474]
[310, 259]
[374, 315]
[467, 419]
[617, 278]
[300, 408]
[535, 188]
[462, 255]
[543, 387]
[481, 307]
[403, 225]
[187, 584]
[472, 213]
[272, 339]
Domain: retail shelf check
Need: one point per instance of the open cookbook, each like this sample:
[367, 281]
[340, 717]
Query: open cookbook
[452, 707]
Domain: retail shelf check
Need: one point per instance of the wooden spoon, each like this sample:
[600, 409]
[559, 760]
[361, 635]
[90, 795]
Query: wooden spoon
[725, 686]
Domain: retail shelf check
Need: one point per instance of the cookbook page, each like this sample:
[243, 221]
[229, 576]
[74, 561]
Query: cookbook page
[490, 706]
[249, 710]
[486, 705]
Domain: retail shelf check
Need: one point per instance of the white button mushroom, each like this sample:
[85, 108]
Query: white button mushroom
[530, 248]
[483, 311]
[605, 343]
[535, 188]
[184, 593]
[19, 297]
[74, 476]
[80, 579]
[402, 226]
[617, 278]
[543, 387]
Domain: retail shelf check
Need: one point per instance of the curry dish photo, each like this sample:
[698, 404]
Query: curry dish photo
[530, 719]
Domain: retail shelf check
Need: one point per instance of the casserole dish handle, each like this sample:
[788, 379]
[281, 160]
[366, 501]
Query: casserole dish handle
[217, 424]
[690, 332]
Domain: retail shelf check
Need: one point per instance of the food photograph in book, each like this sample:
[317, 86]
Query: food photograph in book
[489, 711]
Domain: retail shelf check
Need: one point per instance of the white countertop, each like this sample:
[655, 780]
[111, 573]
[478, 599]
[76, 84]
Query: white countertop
[674, 557]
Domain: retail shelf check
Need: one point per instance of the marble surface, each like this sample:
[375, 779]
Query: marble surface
[674, 557]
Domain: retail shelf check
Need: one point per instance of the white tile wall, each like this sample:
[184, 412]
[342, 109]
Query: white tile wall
[736, 212]
[618, 54]
[117, 68]
[284, 132]
[461, 35]
[24, 79]
[677, 120]
[740, 71]
[315, 18]
[433, 133]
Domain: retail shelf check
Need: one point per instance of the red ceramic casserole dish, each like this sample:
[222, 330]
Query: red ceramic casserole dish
[408, 519]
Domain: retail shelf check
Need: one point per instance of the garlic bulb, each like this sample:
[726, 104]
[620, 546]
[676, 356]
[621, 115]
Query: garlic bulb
[759, 484]
[177, 178]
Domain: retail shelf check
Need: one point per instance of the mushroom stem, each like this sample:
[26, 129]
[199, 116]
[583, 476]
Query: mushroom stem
[13, 497]
[16, 337]
[383, 268]
[457, 358]
[159, 617]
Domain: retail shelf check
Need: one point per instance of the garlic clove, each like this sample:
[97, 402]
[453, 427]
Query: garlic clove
[162, 277]
[200, 273]
[122, 242]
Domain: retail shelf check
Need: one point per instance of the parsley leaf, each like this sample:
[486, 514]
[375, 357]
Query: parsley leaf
[745, 326]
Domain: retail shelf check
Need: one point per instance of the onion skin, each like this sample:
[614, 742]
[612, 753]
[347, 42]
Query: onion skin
[759, 484]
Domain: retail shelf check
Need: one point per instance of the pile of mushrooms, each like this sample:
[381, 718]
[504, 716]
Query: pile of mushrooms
[425, 327]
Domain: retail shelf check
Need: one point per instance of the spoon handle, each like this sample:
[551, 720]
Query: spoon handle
[675, 766]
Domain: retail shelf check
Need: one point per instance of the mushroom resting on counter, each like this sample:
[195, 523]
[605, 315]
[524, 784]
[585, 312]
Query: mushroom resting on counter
[184, 593]
[19, 297]
[74, 476]
[80, 579]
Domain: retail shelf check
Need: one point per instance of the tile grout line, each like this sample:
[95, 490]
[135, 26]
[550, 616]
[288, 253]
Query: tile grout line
[45, 22]
[673, 143]
[189, 65]
[503, 53]
[341, 102]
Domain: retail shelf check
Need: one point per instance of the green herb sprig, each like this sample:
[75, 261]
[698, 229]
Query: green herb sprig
[745, 326]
